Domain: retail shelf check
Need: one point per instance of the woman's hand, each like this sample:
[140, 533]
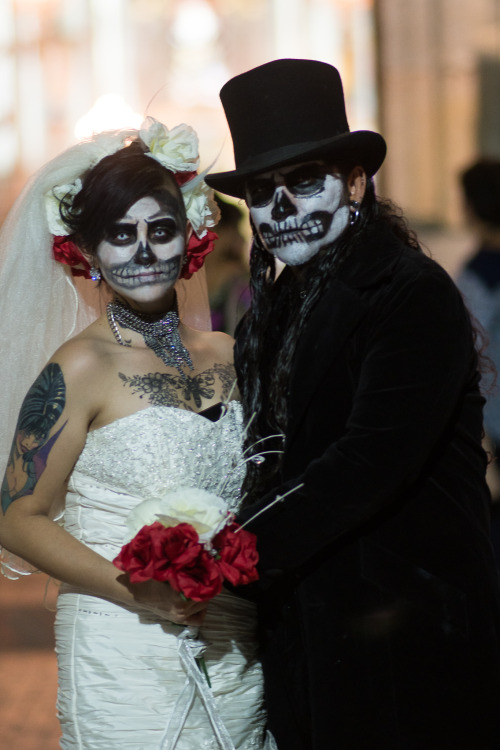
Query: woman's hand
[161, 599]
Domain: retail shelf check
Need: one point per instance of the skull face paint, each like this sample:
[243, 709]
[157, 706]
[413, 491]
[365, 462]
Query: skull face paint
[298, 210]
[140, 257]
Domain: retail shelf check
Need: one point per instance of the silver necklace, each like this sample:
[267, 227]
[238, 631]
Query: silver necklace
[161, 335]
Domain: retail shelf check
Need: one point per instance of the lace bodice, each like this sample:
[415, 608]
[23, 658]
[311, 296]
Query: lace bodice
[143, 455]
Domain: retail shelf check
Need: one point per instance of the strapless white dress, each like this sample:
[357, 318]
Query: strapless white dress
[122, 684]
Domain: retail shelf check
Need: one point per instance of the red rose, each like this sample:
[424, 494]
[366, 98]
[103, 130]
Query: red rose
[237, 554]
[196, 251]
[155, 548]
[176, 546]
[136, 558]
[67, 252]
[199, 581]
[176, 556]
[182, 177]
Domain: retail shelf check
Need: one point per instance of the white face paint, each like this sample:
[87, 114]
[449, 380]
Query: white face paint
[141, 256]
[298, 210]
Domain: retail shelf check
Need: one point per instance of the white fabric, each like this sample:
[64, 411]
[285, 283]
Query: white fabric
[39, 305]
[120, 675]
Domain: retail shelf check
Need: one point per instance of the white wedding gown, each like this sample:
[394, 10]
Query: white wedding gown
[122, 683]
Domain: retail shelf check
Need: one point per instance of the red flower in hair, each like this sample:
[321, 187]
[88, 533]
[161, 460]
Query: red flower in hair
[196, 251]
[197, 248]
[67, 252]
[182, 177]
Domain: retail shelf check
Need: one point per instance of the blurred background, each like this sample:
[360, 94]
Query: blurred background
[424, 73]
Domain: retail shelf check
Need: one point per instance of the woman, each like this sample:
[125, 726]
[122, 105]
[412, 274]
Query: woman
[136, 404]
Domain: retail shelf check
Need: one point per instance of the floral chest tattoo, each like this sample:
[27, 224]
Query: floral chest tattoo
[165, 389]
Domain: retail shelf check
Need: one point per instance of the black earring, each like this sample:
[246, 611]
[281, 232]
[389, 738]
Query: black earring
[354, 206]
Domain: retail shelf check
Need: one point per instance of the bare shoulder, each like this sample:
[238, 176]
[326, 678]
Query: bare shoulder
[80, 355]
[222, 344]
[214, 345]
[85, 360]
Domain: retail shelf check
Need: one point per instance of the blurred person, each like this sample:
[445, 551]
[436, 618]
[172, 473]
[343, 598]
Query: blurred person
[227, 270]
[378, 595]
[479, 279]
[136, 404]
[479, 282]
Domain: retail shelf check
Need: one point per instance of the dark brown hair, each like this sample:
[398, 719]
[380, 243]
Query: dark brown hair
[110, 188]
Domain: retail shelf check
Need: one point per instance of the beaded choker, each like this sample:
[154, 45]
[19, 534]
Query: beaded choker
[160, 335]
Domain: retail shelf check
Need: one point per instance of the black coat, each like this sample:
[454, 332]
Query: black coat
[379, 596]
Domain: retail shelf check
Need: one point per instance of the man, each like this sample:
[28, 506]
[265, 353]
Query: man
[378, 598]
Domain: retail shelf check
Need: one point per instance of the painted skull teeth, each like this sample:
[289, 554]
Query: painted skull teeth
[164, 267]
[289, 232]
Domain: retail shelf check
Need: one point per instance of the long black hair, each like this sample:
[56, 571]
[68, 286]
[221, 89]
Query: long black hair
[264, 384]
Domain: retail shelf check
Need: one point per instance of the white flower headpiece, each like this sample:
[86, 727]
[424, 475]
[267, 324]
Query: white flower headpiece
[177, 151]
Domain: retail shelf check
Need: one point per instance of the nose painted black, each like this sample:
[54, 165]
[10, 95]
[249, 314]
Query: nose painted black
[144, 255]
[283, 207]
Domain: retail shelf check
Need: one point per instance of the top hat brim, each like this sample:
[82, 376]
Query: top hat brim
[363, 148]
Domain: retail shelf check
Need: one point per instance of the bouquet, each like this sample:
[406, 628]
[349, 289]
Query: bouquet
[189, 539]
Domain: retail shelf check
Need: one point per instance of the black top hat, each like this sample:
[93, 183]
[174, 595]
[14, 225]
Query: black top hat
[289, 110]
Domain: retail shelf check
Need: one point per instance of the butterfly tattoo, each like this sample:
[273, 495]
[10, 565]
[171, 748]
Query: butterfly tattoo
[164, 389]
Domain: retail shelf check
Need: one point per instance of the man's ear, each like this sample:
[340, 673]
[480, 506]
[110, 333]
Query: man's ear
[356, 184]
[189, 232]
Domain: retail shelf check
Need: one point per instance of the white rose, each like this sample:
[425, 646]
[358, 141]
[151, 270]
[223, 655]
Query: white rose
[175, 149]
[201, 208]
[206, 512]
[83, 157]
[53, 200]
[143, 514]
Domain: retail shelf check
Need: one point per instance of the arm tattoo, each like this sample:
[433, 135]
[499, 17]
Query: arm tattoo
[33, 441]
[163, 389]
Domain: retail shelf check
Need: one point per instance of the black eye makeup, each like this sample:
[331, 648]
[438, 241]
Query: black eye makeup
[160, 232]
[260, 192]
[306, 180]
[122, 234]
